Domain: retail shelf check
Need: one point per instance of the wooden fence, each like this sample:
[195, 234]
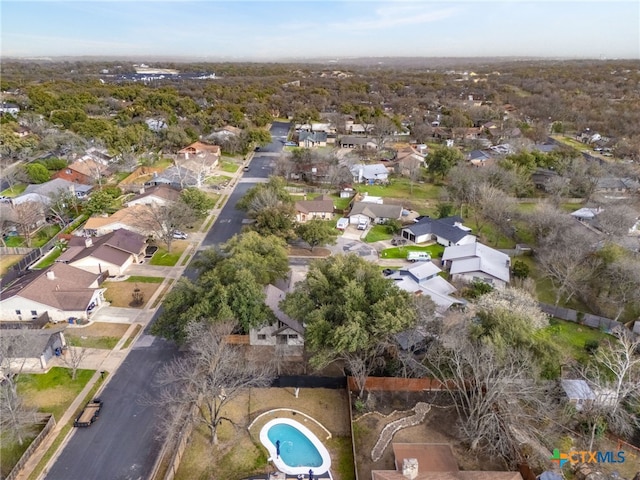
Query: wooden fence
[51, 422]
[391, 384]
[15, 250]
[237, 339]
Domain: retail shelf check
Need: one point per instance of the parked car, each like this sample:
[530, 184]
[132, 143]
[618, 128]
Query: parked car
[363, 224]
[179, 235]
[388, 271]
[398, 241]
[245, 168]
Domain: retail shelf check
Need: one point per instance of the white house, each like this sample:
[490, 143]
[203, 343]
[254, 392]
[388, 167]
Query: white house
[423, 279]
[475, 261]
[31, 349]
[445, 231]
[284, 331]
[62, 291]
[370, 174]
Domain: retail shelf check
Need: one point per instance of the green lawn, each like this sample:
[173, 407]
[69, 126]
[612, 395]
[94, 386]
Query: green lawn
[378, 233]
[166, 259]
[141, 279]
[15, 242]
[11, 452]
[572, 337]
[52, 392]
[44, 235]
[340, 203]
[49, 259]
[218, 179]
[400, 188]
[229, 167]
[15, 190]
[435, 250]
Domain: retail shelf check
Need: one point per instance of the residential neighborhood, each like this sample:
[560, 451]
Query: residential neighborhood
[419, 274]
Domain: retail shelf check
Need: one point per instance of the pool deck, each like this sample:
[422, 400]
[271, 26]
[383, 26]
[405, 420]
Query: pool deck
[283, 476]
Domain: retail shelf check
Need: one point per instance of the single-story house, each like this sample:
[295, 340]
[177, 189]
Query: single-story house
[100, 155]
[476, 261]
[541, 177]
[199, 158]
[31, 349]
[61, 290]
[133, 218]
[159, 195]
[370, 174]
[156, 124]
[86, 170]
[478, 157]
[358, 142]
[374, 212]
[586, 214]
[43, 192]
[617, 185]
[312, 139]
[321, 207]
[445, 231]
[112, 253]
[284, 331]
[9, 108]
[178, 177]
[433, 461]
[423, 278]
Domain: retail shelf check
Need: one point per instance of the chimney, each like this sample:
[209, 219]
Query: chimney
[410, 468]
[88, 242]
[51, 275]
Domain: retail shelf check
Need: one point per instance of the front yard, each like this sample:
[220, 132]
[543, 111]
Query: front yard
[97, 335]
[378, 233]
[122, 294]
[169, 259]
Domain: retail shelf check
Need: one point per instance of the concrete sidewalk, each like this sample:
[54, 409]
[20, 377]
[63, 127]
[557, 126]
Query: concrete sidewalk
[109, 361]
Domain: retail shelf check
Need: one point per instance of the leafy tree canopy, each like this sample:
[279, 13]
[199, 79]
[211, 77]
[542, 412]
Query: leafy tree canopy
[199, 202]
[38, 173]
[317, 232]
[348, 307]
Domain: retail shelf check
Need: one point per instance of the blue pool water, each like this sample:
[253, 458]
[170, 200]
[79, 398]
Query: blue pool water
[296, 450]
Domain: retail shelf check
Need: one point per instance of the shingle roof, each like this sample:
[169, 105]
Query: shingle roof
[323, 203]
[115, 247]
[442, 227]
[201, 147]
[312, 136]
[28, 343]
[134, 216]
[476, 257]
[375, 210]
[69, 289]
[273, 297]
[161, 191]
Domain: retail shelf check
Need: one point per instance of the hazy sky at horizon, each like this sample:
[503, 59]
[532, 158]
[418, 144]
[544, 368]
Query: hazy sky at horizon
[268, 30]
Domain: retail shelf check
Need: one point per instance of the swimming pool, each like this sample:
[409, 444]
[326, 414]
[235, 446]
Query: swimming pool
[299, 449]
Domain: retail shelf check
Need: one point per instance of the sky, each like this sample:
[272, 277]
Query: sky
[267, 30]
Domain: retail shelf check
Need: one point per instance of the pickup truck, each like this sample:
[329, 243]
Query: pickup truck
[89, 414]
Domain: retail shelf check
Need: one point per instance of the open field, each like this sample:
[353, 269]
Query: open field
[97, 335]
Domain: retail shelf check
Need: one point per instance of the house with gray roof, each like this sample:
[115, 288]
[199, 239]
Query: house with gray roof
[61, 290]
[159, 195]
[312, 139]
[445, 231]
[31, 349]
[617, 185]
[362, 143]
[112, 253]
[477, 262]
[284, 330]
[423, 278]
[370, 174]
[43, 192]
[374, 212]
[176, 177]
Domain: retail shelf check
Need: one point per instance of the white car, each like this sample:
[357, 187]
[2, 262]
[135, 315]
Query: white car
[179, 235]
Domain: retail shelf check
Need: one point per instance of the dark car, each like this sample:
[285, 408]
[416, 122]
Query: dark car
[388, 271]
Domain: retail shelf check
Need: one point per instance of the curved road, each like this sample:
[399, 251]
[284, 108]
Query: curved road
[123, 444]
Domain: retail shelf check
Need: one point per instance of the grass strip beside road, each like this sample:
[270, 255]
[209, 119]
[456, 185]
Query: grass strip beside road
[141, 279]
[35, 474]
[163, 293]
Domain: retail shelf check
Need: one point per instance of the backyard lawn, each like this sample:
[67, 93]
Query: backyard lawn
[49, 259]
[340, 203]
[401, 188]
[240, 452]
[435, 250]
[97, 335]
[378, 233]
[7, 261]
[14, 191]
[166, 259]
[572, 338]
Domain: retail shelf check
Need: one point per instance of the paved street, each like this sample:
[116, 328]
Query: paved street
[123, 444]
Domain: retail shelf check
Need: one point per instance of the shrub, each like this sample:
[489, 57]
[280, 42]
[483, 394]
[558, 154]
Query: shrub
[520, 269]
[591, 346]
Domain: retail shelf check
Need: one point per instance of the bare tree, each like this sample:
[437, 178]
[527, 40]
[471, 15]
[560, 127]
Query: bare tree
[16, 419]
[72, 358]
[164, 220]
[614, 376]
[617, 219]
[210, 375]
[495, 394]
[27, 216]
